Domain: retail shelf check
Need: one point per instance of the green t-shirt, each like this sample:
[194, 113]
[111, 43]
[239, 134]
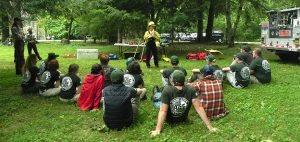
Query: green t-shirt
[262, 70]
[167, 73]
[242, 73]
[179, 102]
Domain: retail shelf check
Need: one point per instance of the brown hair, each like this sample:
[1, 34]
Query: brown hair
[134, 68]
[96, 68]
[73, 68]
[53, 65]
[257, 51]
[104, 59]
[30, 62]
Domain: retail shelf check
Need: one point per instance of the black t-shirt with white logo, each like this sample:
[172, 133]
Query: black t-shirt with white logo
[48, 79]
[262, 69]
[29, 77]
[179, 102]
[133, 80]
[43, 66]
[242, 73]
[217, 71]
[68, 86]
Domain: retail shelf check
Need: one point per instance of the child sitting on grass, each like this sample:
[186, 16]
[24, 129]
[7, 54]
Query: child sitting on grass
[50, 83]
[30, 75]
[70, 85]
[92, 87]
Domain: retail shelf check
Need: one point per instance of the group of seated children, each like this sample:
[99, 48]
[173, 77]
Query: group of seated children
[121, 92]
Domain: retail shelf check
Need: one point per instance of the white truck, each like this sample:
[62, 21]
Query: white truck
[281, 33]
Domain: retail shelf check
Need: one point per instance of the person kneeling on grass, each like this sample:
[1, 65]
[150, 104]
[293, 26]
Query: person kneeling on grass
[167, 73]
[211, 95]
[134, 78]
[238, 74]
[30, 75]
[176, 103]
[120, 103]
[198, 73]
[50, 83]
[260, 68]
[91, 91]
[70, 85]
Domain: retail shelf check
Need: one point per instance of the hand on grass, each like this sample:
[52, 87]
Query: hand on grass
[154, 133]
[213, 130]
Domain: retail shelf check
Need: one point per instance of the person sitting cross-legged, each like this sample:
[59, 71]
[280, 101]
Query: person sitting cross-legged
[120, 103]
[50, 82]
[260, 68]
[176, 104]
[167, 73]
[211, 95]
[104, 60]
[91, 91]
[211, 61]
[70, 85]
[134, 78]
[30, 75]
[238, 74]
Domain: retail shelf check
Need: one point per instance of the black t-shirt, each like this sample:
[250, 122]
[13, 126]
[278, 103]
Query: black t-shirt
[43, 66]
[68, 86]
[167, 73]
[262, 70]
[29, 77]
[133, 80]
[217, 71]
[107, 71]
[179, 102]
[118, 108]
[48, 79]
[242, 73]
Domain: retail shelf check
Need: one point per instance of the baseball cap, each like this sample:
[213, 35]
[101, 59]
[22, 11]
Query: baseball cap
[174, 60]
[207, 70]
[18, 19]
[129, 61]
[240, 56]
[246, 48]
[52, 56]
[117, 76]
[151, 23]
[210, 58]
[178, 77]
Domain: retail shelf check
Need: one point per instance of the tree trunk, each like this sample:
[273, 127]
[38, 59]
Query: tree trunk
[210, 20]
[5, 27]
[151, 10]
[70, 30]
[200, 21]
[228, 23]
[237, 20]
[173, 11]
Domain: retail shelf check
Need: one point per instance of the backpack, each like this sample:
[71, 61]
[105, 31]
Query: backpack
[201, 55]
[191, 56]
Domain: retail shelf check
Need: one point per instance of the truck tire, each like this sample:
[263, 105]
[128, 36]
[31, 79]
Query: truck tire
[288, 56]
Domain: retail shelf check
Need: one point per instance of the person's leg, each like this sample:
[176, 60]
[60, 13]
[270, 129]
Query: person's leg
[29, 48]
[231, 79]
[36, 52]
[195, 76]
[155, 56]
[22, 57]
[50, 92]
[142, 92]
[148, 56]
[135, 102]
[19, 56]
[253, 80]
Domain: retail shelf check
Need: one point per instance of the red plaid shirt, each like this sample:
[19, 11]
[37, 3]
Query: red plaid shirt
[212, 98]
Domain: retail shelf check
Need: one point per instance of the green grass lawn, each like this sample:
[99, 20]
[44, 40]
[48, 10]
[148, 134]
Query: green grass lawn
[259, 112]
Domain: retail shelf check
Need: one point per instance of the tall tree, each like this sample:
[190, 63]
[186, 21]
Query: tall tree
[210, 20]
[200, 17]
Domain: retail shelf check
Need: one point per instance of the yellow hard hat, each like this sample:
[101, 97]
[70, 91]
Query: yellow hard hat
[151, 23]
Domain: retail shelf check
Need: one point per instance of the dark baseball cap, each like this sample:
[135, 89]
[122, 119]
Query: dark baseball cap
[117, 76]
[52, 56]
[18, 19]
[240, 56]
[207, 70]
[178, 77]
[174, 60]
[246, 48]
[210, 58]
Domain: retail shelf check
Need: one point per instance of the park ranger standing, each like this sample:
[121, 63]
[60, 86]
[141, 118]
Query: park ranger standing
[18, 39]
[152, 39]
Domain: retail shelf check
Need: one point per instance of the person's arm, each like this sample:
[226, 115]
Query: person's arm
[57, 83]
[161, 71]
[226, 69]
[200, 110]
[146, 36]
[160, 120]
[196, 70]
[79, 89]
[156, 36]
